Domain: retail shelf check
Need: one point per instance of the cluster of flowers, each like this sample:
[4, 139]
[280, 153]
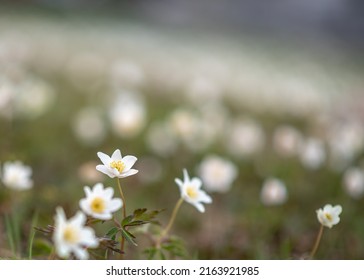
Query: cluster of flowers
[74, 236]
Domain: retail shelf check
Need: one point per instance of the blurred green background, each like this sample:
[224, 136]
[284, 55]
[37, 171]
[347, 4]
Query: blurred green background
[172, 86]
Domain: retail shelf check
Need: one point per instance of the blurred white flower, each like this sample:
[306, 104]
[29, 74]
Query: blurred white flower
[274, 192]
[16, 176]
[184, 124]
[34, 98]
[287, 140]
[71, 236]
[127, 115]
[353, 182]
[217, 173]
[346, 140]
[86, 118]
[191, 191]
[160, 132]
[329, 215]
[245, 138]
[116, 165]
[99, 203]
[312, 153]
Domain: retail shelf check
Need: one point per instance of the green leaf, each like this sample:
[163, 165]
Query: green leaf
[128, 236]
[112, 233]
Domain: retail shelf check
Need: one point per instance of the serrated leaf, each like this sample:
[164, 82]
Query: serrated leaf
[128, 236]
[112, 232]
[137, 223]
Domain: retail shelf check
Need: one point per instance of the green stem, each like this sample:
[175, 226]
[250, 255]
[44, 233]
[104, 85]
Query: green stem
[122, 242]
[318, 239]
[171, 221]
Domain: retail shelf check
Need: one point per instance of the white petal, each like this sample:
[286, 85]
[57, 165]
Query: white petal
[337, 209]
[102, 216]
[88, 238]
[78, 220]
[81, 253]
[105, 170]
[105, 159]
[328, 208]
[179, 182]
[196, 182]
[129, 162]
[87, 190]
[116, 155]
[199, 207]
[84, 205]
[62, 250]
[98, 189]
[115, 204]
[128, 173]
[185, 175]
[205, 198]
[108, 192]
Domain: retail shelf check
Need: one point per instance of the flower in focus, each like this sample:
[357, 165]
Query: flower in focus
[70, 236]
[329, 215]
[191, 191]
[354, 182]
[116, 165]
[217, 173]
[99, 202]
[274, 192]
[16, 175]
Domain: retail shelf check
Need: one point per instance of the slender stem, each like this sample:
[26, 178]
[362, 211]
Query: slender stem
[318, 239]
[171, 221]
[122, 197]
[122, 242]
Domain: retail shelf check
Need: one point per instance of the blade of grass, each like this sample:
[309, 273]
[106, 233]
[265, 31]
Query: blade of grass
[9, 233]
[32, 234]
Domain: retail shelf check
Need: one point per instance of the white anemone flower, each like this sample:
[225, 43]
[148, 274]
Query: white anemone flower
[354, 182]
[116, 165]
[99, 203]
[329, 215]
[16, 176]
[71, 236]
[217, 173]
[274, 192]
[191, 191]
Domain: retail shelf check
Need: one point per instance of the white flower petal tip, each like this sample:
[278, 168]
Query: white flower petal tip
[99, 203]
[328, 216]
[72, 237]
[191, 191]
[116, 165]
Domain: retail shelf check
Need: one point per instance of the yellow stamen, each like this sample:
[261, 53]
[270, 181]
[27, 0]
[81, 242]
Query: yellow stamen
[70, 235]
[191, 192]
[118, 165]
[98, 205]
[328, 216]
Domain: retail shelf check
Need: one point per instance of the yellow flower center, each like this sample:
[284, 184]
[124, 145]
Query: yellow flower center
[191, 192]
[328, 216]
[98, 205]
[70, 235]
[118, 165]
